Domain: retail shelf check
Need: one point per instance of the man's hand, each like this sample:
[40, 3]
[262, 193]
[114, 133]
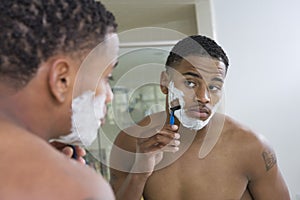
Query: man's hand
[149, 150]
[68, 151]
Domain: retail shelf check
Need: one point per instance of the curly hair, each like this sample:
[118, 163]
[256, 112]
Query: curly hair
[34, 30]
[196, 45]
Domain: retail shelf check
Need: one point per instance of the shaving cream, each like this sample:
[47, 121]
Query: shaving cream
[87, 110]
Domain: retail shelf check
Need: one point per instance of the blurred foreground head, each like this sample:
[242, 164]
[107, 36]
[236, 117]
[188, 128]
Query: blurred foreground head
[32, 31]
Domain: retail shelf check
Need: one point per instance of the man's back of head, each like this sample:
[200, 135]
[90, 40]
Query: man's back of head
[34, 30]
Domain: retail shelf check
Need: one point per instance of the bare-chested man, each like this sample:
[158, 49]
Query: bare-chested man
[206, 155]
[43, 44]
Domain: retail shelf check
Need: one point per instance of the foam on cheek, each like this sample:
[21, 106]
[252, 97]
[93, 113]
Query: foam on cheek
[84, 122]
[86, 114]
[99, 107]
[174, 94]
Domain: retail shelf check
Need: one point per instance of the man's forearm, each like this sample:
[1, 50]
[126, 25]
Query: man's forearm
[132, 188]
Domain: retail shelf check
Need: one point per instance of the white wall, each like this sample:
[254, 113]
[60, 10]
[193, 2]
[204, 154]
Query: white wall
[262, 40]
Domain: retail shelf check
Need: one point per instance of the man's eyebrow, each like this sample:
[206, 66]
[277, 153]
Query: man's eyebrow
[192, 74]
[218, 79]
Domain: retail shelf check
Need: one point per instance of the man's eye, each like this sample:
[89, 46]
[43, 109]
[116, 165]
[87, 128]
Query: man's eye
[214, 88]
[189, 84]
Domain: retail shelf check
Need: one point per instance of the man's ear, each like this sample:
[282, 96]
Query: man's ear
[164, 82]
[60, 79]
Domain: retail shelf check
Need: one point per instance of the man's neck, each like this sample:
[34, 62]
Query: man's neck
[16, 110]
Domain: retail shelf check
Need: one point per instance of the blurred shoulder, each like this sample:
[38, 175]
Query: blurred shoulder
[36, 170]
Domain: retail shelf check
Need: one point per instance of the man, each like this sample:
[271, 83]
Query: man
[43, 44]
[204, 155]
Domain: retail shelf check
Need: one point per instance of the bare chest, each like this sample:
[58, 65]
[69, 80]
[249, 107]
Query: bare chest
[218, 176]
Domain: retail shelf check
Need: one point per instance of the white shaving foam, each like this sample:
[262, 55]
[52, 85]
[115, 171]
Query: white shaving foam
[87, 110]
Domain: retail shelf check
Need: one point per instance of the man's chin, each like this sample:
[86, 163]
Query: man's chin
[197, 117]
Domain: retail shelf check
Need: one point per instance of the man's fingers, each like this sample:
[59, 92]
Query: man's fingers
[158, 141]
[170, 149]
[162, 138]
[174, 143]
[171, 127]
[68, 151]
[81, 160]
[168, 134]
[167, 128]
[80, 151]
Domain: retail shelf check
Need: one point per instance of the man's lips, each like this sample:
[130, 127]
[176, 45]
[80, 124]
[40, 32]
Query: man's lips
[199, 113]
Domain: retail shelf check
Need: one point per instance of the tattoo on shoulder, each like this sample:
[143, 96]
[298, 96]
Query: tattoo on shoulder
[269, 158]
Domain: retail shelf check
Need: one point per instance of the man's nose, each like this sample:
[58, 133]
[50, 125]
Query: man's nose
[202, 95]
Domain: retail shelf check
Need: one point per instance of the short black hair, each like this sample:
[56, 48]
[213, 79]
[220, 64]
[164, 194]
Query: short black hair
[32, 31]
[196, 45]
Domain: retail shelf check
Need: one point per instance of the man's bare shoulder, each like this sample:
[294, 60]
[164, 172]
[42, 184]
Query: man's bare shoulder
[257, 152]
[242, 134]
[32, 169]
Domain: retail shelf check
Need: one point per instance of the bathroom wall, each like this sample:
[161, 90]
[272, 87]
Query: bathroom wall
[262, 41]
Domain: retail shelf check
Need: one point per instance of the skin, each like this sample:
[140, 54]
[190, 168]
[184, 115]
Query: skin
[68, 151]
[30, 167]
[241, 165]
